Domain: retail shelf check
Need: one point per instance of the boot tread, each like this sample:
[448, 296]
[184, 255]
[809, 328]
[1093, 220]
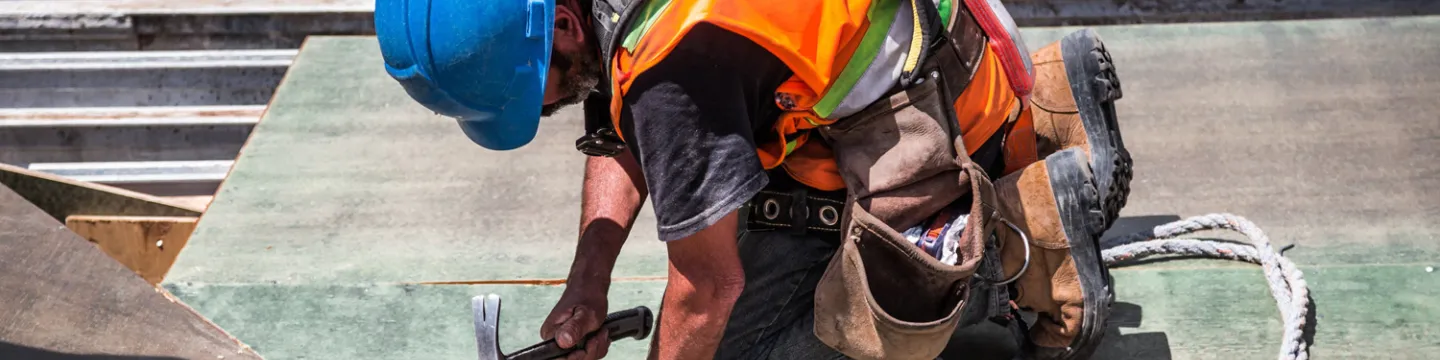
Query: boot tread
[1096, 87]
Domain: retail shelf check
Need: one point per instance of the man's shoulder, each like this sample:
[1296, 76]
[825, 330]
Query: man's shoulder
[721, 44]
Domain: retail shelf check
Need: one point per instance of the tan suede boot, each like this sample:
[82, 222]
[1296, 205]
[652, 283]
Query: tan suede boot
[1074, 106]
[1056, 253]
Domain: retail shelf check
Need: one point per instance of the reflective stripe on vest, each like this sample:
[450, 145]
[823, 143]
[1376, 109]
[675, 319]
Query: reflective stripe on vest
[847, 52]
[1006, 41]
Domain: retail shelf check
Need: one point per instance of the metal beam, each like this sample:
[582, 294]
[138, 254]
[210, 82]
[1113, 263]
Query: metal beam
[138, 60]
[47, 25]
[189, 7]
[124, 134]
[161, 178]
[131, 116]
[131, 78]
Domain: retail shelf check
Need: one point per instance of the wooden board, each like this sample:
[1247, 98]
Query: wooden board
[63, 298]
[147, 245]
[61, 197]
[195, 202]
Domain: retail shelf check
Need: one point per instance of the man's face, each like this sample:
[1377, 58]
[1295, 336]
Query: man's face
[575, 67]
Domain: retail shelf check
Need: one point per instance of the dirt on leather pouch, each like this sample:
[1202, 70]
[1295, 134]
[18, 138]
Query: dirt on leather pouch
[903, 159]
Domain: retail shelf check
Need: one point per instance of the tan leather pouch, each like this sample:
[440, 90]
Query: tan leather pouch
[902, 160]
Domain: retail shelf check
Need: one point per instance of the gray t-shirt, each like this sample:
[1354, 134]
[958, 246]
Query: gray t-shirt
[692, 121]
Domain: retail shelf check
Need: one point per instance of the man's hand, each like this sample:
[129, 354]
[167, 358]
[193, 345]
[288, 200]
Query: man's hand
[581, 310]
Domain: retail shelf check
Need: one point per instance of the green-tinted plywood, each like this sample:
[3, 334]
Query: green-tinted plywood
[346, 179]
[1322, 132]
[1378, 312]
[389, 321]
[1362, 312]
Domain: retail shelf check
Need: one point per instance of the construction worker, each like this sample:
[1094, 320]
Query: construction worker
[785, 146]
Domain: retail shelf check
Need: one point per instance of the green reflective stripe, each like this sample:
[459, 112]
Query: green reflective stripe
[882, 14]
[790, 146]
[649, 15]
[944, 7]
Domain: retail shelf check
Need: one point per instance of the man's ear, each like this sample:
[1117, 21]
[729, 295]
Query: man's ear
[568, 27]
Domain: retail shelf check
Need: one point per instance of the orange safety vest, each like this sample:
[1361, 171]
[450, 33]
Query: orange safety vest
[844, 57]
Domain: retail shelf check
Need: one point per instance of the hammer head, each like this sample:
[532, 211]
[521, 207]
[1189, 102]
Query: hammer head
[487, 324]
[629, 323]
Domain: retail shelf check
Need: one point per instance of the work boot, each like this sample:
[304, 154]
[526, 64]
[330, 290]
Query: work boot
[1074, 106]
[1055, 255]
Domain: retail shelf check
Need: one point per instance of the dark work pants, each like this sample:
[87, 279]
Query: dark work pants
[774, 316]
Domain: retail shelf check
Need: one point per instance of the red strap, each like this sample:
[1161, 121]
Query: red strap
[1004, 47]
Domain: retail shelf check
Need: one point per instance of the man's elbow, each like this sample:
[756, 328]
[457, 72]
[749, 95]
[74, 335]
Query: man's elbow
[713, 293]
[728, 288]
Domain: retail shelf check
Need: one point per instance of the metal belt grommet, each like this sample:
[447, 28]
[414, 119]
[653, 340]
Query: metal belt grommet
[771, 209]
[829, 215]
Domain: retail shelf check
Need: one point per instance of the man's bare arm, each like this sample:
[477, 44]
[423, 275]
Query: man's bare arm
[614, 190]
[705, 280]
[612, 197]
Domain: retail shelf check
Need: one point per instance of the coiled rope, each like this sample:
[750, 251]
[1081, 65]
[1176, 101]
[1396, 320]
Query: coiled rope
[1287, 283]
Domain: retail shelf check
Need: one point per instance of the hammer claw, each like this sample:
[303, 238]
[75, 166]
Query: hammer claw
[487, 324]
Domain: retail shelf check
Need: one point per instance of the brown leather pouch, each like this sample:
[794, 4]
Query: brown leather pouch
[903, 160]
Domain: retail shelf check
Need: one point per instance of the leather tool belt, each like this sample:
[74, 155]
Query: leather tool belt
[903, 159]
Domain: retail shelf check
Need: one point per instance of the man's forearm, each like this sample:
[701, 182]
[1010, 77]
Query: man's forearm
[705, 280]
[614, 191]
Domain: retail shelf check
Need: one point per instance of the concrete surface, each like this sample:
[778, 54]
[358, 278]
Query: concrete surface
[1323, 132]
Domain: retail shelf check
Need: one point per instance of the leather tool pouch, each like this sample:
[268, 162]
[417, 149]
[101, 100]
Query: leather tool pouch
[903, 159]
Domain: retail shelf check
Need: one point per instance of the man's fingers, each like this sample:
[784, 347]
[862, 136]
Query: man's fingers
[598, 346]
[577, 355]
[571, 332]
[547, 330]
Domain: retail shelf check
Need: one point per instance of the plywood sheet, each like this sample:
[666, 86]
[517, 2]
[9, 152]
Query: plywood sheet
[1198, 313]
[147, 245]
[61, 197]
[347, 179]
[63, 297]
[1322, 132]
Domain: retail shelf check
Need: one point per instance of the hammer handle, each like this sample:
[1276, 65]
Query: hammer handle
[621, 324]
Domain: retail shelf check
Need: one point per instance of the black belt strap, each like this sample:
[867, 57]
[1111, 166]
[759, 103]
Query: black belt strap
[786, 205]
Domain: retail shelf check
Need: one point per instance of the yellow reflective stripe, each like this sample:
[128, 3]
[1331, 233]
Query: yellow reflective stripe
[916, 37]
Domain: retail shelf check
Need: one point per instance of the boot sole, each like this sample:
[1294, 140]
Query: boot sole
[1096, 87]
[1082, 218]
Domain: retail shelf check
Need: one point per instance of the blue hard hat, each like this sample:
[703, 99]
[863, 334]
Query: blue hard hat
[482, 62]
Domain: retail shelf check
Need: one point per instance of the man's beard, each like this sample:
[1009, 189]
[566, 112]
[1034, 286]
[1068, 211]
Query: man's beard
[581, 74]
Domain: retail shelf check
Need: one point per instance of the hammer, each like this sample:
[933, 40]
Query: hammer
[634, 323]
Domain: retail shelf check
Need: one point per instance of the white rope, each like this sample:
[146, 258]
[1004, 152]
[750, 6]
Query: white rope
[1287, 283]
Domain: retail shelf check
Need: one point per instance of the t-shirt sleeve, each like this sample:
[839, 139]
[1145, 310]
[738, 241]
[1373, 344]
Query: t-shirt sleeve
[691, 122]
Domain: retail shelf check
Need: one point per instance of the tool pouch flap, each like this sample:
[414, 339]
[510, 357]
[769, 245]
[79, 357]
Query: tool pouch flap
[903, 159]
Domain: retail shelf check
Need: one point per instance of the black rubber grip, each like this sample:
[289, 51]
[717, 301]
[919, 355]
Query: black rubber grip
[632, 323]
